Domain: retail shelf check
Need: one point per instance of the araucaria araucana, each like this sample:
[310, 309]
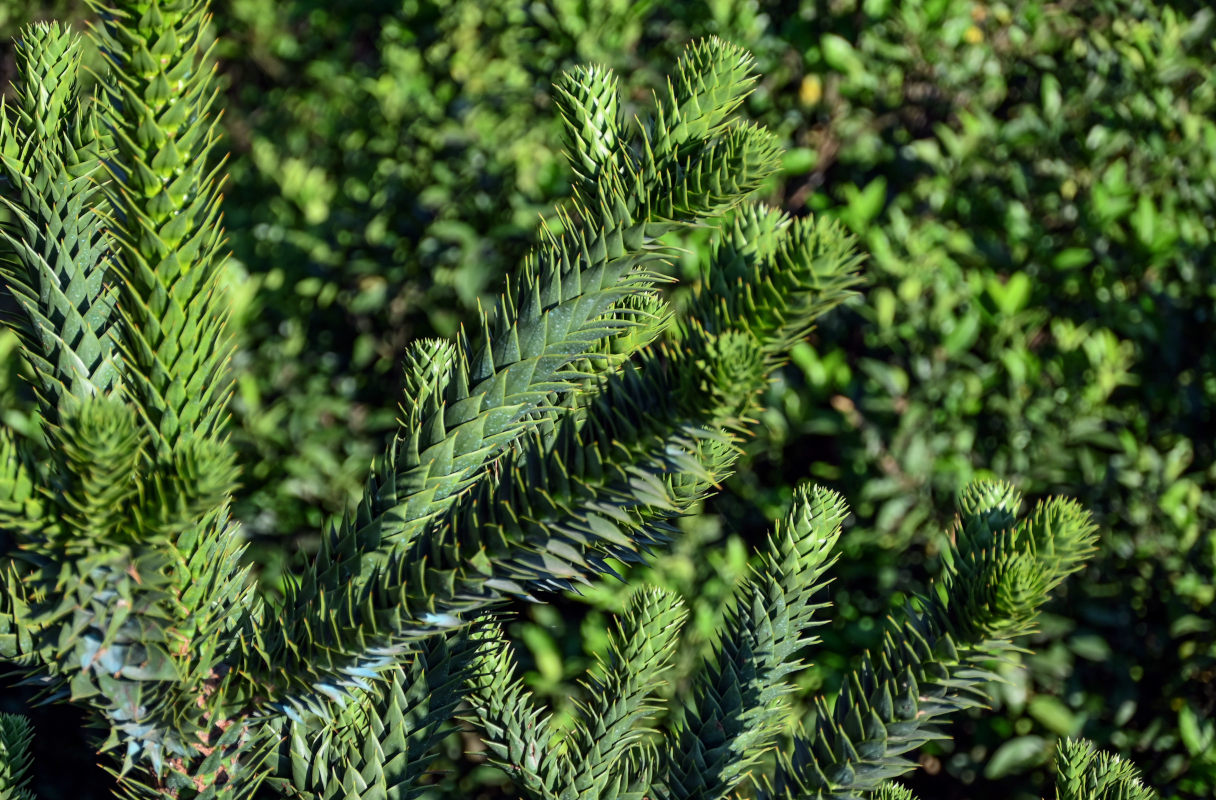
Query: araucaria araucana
[564, 432]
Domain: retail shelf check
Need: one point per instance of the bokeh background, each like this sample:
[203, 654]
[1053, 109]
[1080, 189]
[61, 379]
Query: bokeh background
[1034, 185]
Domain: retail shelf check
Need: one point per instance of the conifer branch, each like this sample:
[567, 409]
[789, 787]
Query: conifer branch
[566, 300]
[771, 277]
[50, 151]
[16, 733]
[122, 592]
[573, 295]
[739, 707]
[1084, 773]
[516, 731]
[933, 662]
[573, 291]
[164, 193]
[621, 699]
[605, 754]
[604, 484]
[712, 79]
[583, 491]
[572, 428]
[382, 743]
[589, 102]
[893, 791]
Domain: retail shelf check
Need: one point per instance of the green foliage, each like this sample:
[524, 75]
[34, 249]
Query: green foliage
[893, 791]
[933, 662]
[50, 149]
[381, 744]
[740, 704]
[1033, 184]
[15, 736]
[124, 567]
[491, 394]
[165, 219]
[132, 600]
[1082, 773]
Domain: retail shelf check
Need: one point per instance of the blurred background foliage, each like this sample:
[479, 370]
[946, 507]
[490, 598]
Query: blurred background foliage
[1034, 184]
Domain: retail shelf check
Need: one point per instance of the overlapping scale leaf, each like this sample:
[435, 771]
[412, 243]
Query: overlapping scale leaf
[429, 467]
[88, 619]
[101, 625]
[727, 370]
[557, 511]
[621, 698]
[772, 276]
[653, 316]
[602, 487]
[710, 176]
[588, 100]
[1085, 773]
[115, 631]
[933, 663]
[66, 305]
[165, 193]
[516, 732]
[50, 149]
[99, 446]
[16, 734]
[194, 480]
[712, 78]
[739, 705]
[380, 744]
[894, 791]
[606, 755]
[48, 55]
[478, 405]
[227, 766]
[1001, 569]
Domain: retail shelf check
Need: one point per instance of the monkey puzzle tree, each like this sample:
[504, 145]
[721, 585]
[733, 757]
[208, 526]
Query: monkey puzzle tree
[563, 433]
